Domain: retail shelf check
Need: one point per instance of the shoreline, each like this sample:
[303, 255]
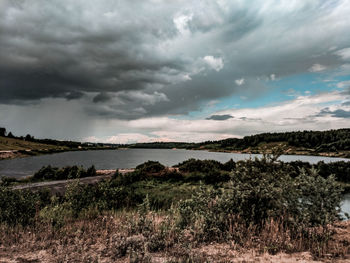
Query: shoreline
[13, 154]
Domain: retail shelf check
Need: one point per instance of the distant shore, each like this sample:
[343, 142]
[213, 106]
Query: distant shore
[12, 154]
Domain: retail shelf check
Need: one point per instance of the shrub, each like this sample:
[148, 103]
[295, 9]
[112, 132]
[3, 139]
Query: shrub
[45, 173]
[68, 172]
[129, 178]
[193, 165]
[56, 215]
[79, 197]
[19, 207]
[254, 196]
[229, 166]
[6, 181]
[151, 167]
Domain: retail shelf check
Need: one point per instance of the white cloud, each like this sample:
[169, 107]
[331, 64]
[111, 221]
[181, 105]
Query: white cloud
[239, 82]
[215, 63]
[344, 53]
[298, 114]
[212, 103]
[343, 84]
[191, 136]
[91, 139]
[181, 24]
[317, 68]
[124, 138]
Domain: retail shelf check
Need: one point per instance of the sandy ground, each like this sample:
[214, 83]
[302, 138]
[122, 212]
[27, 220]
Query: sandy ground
[9, 154]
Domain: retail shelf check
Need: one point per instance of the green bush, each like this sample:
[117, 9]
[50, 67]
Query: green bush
[56, 215]
[6, 181]
[68, 172]
[20, 207]
[257, 193]
[193, 165]
[78, 197]
[151, 167]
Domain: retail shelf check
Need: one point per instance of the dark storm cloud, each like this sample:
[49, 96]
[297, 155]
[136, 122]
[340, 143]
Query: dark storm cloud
[219, 117]
[339, 113]
[73, 95]
[149, 58]
[102, 97]
[51, 50]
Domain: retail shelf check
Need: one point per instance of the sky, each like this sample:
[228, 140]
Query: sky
[159, 70]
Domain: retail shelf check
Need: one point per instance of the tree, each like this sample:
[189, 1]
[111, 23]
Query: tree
[29, 137]
[10, 135]
[2, 132]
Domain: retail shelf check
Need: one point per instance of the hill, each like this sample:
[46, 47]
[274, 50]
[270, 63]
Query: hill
[13, 147]
[7, 144]
[326, 143]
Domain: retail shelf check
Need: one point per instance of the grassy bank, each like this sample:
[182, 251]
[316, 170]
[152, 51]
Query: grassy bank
[16, 148]
[7, 144]
[257, 205]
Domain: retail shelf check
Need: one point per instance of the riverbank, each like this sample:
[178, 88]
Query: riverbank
[285, 151]
[11, 148]
[12, 154]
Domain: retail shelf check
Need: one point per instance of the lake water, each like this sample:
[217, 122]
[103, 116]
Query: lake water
[130, 158]
[345, 205]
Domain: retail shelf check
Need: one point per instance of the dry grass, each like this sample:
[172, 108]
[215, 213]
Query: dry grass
[127, 237]
[17, 144]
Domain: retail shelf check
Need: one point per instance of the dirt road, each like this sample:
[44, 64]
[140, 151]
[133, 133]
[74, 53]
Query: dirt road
[59, 186]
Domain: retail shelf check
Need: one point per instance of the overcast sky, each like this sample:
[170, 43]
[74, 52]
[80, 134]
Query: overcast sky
[127, 71]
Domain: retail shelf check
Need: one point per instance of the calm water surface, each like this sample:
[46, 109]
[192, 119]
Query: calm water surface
[114, 159]
[345, 206]
[129, 158]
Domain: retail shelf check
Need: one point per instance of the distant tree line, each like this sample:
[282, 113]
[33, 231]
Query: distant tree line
[4, 133]
[69, 144]
[320, 141]
[331, 140]
[163, 145]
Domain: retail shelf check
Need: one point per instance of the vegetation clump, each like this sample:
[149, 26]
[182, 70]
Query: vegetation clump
[68, 172]
[262, 204]
[151, 167]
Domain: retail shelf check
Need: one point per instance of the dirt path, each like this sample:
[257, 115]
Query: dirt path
[59, 186]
